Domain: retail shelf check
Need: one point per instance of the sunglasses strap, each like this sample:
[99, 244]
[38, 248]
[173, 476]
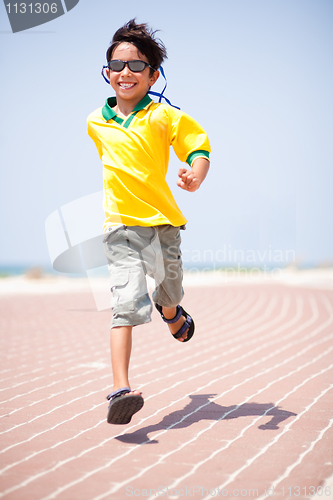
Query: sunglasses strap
[160, 95]
[103, 75]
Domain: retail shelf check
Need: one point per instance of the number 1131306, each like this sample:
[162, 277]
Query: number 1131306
[32, 8]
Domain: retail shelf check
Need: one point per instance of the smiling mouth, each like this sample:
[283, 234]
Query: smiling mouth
[126, 85]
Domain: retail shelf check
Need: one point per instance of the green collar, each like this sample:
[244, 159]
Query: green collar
[109, 113]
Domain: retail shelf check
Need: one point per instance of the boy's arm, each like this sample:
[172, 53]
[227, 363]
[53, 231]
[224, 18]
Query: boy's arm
[190, 180]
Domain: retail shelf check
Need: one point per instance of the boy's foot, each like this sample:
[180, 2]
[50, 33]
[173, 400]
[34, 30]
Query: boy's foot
[123, 404]
[181, 324]
[175, 327]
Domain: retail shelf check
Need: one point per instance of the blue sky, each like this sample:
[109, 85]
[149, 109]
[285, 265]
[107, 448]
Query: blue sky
[257, 74]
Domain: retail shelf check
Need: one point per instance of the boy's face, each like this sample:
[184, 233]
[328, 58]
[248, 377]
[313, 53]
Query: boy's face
[129, 86]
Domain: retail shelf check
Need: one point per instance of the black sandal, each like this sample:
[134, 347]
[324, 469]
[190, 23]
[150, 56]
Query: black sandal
[122, 408]
[188, 324]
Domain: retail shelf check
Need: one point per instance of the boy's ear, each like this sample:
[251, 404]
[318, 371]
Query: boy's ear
[154, 78]
[107, 71]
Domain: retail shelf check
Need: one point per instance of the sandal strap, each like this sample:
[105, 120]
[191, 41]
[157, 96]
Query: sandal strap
[179, 314]
[118, 392]
[184, 327]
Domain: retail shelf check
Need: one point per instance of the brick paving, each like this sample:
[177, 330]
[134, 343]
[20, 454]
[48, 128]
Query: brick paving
[244, 409]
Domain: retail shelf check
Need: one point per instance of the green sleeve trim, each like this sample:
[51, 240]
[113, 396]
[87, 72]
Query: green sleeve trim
[197, 154]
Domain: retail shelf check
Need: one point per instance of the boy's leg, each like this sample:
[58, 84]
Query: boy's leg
[121, 346]
[130, 306]
[130, 303]
[123, 402]
[170, 292]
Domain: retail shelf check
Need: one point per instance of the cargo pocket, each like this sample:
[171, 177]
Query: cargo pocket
[122, 299]
[108, 235]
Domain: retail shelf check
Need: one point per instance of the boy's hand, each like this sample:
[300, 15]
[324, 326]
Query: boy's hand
[187, 180]
[190, 180]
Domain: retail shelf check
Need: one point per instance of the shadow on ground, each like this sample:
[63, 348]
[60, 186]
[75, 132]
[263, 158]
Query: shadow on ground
[201, 408]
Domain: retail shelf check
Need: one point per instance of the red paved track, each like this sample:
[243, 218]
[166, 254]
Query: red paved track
[246, 405]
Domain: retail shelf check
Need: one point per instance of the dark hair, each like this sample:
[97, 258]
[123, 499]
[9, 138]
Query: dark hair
[142, 37]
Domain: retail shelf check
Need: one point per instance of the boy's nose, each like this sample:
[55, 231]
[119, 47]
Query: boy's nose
[126, 71]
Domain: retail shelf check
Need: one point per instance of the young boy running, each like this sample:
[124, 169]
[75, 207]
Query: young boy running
[142, 227]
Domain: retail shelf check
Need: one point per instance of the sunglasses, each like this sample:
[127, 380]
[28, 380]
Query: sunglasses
[134, 66]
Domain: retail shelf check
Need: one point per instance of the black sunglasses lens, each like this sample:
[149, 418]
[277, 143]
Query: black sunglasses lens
[116, 65]
[136, 66]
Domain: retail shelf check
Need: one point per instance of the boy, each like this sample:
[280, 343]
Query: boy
[133, 135]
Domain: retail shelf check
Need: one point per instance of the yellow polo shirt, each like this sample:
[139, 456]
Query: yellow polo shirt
[135, 156]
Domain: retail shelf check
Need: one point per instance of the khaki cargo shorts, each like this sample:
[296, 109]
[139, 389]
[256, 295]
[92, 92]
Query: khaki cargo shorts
[134, 252]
